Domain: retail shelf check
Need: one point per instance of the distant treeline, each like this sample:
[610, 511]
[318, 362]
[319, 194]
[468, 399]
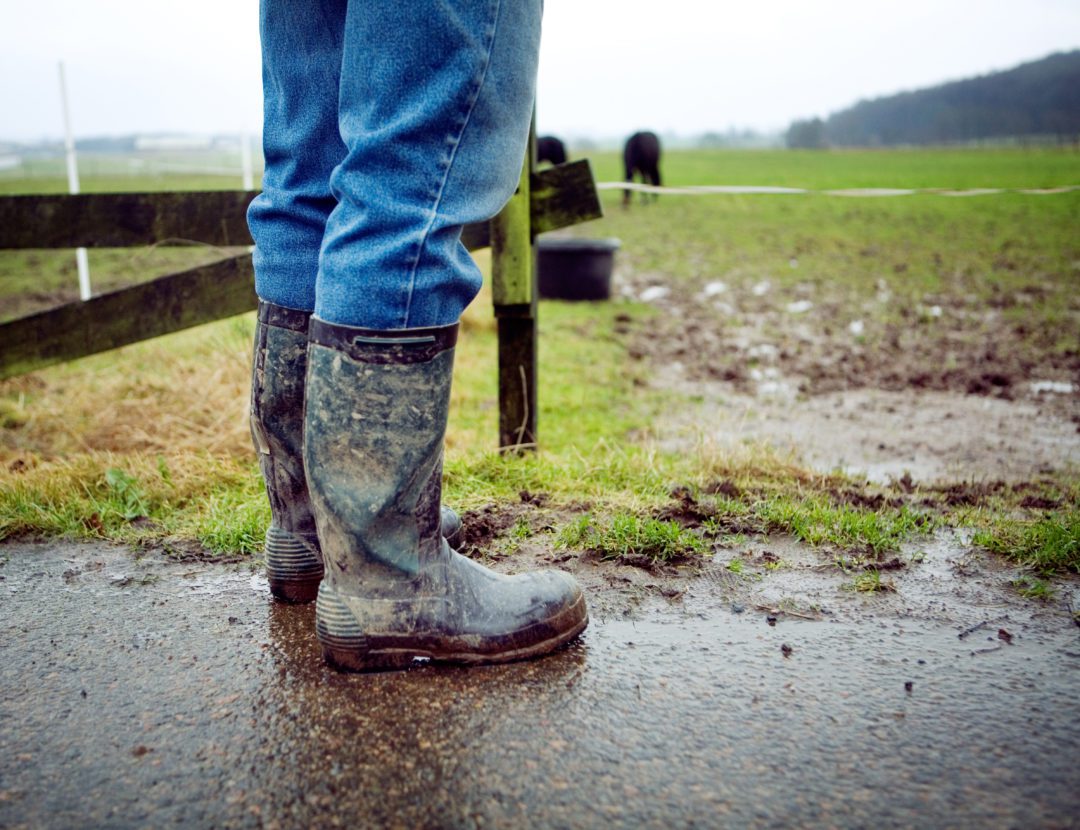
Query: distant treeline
[1034, 101]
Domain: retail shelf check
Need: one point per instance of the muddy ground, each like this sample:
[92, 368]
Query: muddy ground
[940, 578]
[141, 691]
[948, 392]
[955, 412]
[758, 686]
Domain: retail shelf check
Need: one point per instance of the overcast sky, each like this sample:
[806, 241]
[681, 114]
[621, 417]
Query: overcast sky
[607, 66]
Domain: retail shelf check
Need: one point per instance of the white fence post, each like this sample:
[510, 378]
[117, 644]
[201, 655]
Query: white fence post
[82, 260]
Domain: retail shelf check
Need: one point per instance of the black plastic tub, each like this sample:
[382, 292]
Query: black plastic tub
[575, 269]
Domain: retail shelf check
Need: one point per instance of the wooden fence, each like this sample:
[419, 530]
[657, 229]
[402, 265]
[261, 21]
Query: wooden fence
[546, 200]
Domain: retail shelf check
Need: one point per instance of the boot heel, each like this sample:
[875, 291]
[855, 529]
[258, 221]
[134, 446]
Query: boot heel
[343, 643]
[346, 660]
[293, 566]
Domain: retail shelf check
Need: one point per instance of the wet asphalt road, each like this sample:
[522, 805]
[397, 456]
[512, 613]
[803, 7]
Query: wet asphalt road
[149, 693]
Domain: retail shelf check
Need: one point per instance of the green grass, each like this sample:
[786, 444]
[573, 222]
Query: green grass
[630, 538]
[120, 174]
[839, 169]
[869, 582]
[191, 476]
[815, 521]
[215, 501]
[1048, 545]
[1032, 587]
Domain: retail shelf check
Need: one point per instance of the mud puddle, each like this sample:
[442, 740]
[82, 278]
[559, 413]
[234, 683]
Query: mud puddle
[949, 394]
[881, 435]
[152, 693]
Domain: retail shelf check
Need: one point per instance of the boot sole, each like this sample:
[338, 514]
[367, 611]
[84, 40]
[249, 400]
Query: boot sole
[346, 647]
[294, 568]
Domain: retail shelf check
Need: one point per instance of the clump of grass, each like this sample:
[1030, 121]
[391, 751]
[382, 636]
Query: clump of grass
[1048, 545]
[628, 538]
[515, 536]
[816, 521]
[234, 522]
[81, 498]
[216, 500]
[870, 582]
[521, 529]
[125, 489]
[1031, 587]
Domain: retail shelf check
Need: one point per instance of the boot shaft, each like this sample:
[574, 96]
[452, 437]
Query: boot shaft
[279, 367]
[377, 404]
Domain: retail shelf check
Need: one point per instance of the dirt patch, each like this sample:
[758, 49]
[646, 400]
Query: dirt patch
[484, 526]
[759, 570]
[883, 435]
[949, 395]
[939, 578]
[687, 510]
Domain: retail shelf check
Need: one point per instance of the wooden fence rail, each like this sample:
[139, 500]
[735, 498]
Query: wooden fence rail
[546, 200]
[560, 196]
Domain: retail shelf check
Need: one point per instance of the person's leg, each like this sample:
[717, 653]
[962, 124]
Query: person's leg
[436, 98]
[301, 54]
[302, 51]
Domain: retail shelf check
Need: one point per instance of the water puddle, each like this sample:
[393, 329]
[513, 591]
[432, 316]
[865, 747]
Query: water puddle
[204, 703]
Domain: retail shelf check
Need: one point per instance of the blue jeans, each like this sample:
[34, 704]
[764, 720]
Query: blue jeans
[388, 125]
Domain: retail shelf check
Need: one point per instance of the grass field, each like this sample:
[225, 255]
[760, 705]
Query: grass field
[149, 443]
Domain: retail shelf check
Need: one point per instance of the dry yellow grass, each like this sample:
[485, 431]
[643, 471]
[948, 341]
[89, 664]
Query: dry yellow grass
[171, 413]
[183, 394]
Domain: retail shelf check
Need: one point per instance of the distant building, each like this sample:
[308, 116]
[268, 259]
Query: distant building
[173, 143]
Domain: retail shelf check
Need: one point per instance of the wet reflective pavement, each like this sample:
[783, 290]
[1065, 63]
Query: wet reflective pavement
[153, 693]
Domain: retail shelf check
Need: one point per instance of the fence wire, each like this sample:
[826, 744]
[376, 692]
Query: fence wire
[853, 192]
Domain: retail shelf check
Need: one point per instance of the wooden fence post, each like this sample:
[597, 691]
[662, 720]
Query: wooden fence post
[513, 267]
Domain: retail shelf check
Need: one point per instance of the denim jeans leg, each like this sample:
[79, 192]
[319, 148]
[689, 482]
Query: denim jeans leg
[434, 108]
[301, 53]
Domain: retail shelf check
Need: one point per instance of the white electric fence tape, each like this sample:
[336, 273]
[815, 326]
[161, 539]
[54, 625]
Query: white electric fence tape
[863, 192]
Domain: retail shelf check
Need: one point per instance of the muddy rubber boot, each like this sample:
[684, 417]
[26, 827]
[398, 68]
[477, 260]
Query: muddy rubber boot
[394, 590]
[293, 561]
[294, 564]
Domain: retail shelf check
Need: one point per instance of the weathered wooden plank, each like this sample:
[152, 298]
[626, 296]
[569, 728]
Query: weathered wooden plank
[560, 196]
[563, 196]
[121, 220]
[161, 306]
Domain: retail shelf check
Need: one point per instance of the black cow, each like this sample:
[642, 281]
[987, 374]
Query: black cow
[642, 156]
[549, 148]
